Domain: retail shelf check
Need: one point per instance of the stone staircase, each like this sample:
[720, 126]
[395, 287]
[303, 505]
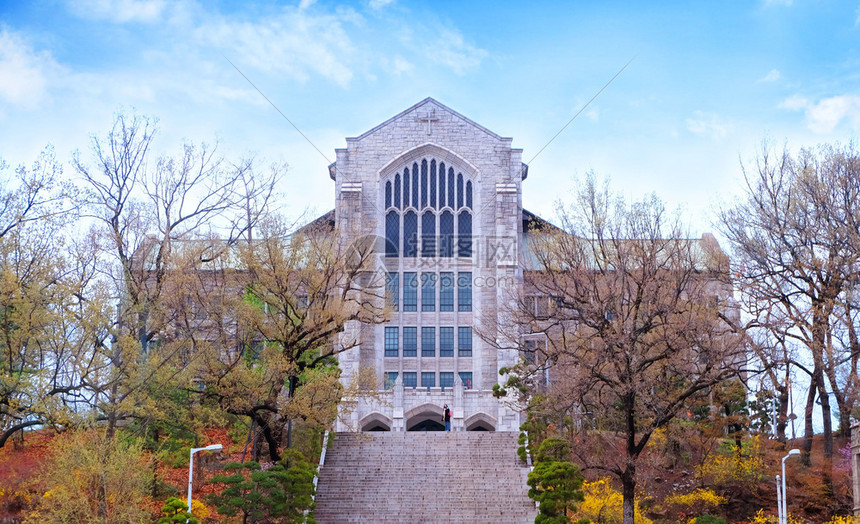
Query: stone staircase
[423, 478]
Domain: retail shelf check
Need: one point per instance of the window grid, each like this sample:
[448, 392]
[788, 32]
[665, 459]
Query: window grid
[410, 379]
[392, 342]
[446, 379]
[392, 290]
[466, 379]
[464, 341]
[464, 291]
[428, 341]
[428, 291]
[428, 379]
[410, 291]
[446, 291]
[446, 341]
[410, 341]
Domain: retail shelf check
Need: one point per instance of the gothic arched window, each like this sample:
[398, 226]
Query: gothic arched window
[410, 234]
[392, 234]
[442, 225]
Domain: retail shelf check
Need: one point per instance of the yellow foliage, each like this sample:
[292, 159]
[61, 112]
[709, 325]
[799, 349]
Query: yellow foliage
[844, 520]
[200, 510]
[740, 466]
[604, 504]
[761, 518]
[705, 498]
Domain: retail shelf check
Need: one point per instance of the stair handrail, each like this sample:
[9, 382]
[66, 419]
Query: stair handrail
[321, 464]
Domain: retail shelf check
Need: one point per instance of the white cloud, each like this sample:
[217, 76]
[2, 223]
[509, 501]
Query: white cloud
[401, 66]
[450, 49]
[823, 116]
[119, 11]
[772, 76]
[23, 71]
[794, 103]
[708, 124]
[379, 4]
[295, 42]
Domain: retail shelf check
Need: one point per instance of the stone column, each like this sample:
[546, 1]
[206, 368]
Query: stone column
[397, 422]
[458, 413]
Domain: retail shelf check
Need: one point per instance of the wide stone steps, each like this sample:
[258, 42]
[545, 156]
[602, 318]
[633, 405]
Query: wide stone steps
[423, 478]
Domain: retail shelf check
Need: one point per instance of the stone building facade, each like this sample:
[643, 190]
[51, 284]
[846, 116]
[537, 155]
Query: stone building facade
[444, 197]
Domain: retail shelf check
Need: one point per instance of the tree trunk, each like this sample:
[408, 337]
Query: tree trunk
[782, 415]
[628, 483]
[807, 419]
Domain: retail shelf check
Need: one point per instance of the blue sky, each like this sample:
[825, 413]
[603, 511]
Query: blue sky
[708, 82]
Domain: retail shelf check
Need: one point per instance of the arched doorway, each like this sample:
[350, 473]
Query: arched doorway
[427, 417]
[376, 422]
[480, 422]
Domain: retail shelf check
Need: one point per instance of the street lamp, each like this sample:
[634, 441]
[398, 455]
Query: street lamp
[213, 447]
[781, 498]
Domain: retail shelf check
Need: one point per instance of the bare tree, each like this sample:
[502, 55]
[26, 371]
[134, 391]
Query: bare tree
[157, 221]
[635, 329]
[794, 237]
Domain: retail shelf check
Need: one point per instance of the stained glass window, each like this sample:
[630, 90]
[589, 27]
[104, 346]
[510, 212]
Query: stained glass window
[406, 187]
[397, 190]
[433, 183]
[428, 234]
[388, 194]
[423, 183]
[451, 187]
[392, 234]
[459, 190]
[464, 236]
[469, 194]
[410, 234]
[446, 234]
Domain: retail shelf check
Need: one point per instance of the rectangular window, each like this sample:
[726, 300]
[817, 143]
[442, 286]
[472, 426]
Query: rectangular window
[389, 378]
[428, 341]
[410, 342]
[446, 342]
[446, 291]
[410, 379]
[428, 291]
[410, 291]
[464, 291]
[392, 290]
[428, 379]
[466, 379]
[392, 341]
[446, 379]
[464, 341]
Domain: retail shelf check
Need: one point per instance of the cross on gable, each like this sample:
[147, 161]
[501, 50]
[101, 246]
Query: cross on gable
[428, 117]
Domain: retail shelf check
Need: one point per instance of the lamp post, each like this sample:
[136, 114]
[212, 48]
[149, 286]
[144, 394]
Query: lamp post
[783, 519]
[213, 447]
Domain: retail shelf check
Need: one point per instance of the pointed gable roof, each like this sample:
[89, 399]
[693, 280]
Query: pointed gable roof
[432, 102]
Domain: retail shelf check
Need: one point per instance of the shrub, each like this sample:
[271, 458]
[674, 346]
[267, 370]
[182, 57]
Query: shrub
[709, 519]
[176, 512]
[93, 478]
[695, 502]
[604, 504]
